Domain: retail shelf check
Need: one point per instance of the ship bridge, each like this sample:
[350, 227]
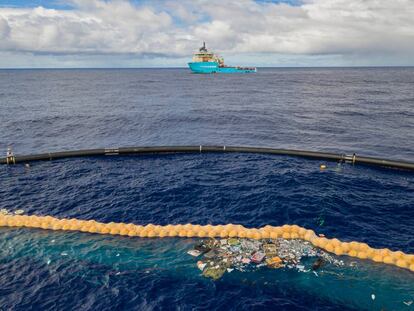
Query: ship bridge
[203, 55]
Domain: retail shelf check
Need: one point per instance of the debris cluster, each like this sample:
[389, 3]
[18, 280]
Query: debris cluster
[5, 211]
[218, 256]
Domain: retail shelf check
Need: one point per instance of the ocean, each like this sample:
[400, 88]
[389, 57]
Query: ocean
[367, 111]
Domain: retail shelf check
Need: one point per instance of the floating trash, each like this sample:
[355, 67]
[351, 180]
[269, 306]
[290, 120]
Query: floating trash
[214, 272]
[19, 212]
[225, 255]
[201, 265]
[274, 262]
[258, 257]
[317, 264]
[233, 241]
[194, 252]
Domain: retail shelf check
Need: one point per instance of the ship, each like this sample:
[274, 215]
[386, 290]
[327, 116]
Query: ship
[208, 62]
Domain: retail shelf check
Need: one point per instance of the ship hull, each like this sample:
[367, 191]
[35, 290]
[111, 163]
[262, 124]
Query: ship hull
[213, 67]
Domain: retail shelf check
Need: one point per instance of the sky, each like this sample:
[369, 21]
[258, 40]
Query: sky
[165, 33]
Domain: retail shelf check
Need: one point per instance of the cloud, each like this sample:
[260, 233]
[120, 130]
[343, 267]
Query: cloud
[4, 29]
[173, 29]
[319, 26]
[92, 27]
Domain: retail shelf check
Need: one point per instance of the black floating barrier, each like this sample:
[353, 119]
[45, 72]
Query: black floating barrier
[208, 149]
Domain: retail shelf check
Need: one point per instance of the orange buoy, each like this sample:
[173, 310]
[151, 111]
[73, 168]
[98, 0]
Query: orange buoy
[338, 251]
[329, 247]
[362, 255]
[401, 263]
[352, 253]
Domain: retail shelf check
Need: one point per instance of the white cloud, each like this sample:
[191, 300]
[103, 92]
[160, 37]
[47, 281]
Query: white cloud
[93, 27]
[345, 28]
[4, 29]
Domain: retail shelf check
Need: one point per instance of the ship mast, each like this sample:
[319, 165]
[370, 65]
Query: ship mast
[203, 48]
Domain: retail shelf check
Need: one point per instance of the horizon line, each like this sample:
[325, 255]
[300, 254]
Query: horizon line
[181, 67]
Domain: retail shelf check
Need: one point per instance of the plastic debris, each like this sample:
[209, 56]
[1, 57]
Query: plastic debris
[274, 262]
[201, 265]
[194, 252]
[202, 248]
[258, 257]
[270, 250]
[210, 254]
[320, 220]
[318, 263]
[4, 211]
[233, 241]
[301, 268]
[408, 303]
[373, 297]
[214, 272]
[19, 212]
[242, 254]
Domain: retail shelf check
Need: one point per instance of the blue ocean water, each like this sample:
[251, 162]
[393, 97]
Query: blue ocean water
[364, 110]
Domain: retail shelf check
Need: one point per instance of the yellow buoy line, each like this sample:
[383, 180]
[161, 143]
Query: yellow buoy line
[352, 249]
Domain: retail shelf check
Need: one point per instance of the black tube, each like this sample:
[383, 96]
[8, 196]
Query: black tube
[203, 149]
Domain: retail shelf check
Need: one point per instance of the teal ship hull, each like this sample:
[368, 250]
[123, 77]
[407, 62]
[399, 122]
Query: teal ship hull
[213, 67]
